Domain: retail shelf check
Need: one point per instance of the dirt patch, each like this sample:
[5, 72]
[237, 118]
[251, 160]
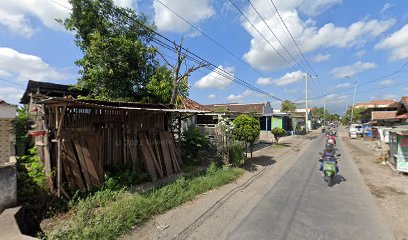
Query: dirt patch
[388, 187]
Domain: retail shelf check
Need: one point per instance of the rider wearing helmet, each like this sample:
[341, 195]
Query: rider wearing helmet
[328, 153]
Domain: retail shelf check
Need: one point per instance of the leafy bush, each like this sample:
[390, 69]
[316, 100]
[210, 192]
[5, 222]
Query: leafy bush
[278, 133]
[192, 141]
[236, 153]
[121, 176]
[31, 177]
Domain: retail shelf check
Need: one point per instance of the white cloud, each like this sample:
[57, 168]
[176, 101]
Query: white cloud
[307, 34]
[321, 58]
[387, 82]
[386, 7]
[361, 53]
[215, 80]
[343, 85]
[16, 14]
[11, 95]
[235, 98]
[389, 96]
[315, 7]
[24, 66]
[4, 73]
[286, 79]
[397, 43]
[352, 70]
[244, 94]
[212, 96]
[194, 11]
[264, 81]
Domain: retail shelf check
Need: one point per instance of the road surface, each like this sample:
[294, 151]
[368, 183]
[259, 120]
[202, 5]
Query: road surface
[282, 196]
[301, 205]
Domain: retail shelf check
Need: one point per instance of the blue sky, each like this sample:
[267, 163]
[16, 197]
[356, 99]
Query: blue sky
[360, 39]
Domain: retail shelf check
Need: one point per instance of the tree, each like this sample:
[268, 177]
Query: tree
[246, 129]
[357, 114]
[178, 77]
[117, 63]
[288, 106]
[278, 133]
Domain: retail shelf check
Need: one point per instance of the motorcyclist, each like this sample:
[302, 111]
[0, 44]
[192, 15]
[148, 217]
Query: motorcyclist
[330, 138]
[329, 152]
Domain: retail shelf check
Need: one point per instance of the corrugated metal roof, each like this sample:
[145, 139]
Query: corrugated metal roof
[106, 105]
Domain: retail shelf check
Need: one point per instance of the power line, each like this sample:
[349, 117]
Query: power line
[276, 37]
[209, 37]
[194, 57]
[7, 81]
[267, 41]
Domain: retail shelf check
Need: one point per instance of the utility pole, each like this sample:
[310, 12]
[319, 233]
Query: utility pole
[306, 113]
[354, 98]
[324, 112]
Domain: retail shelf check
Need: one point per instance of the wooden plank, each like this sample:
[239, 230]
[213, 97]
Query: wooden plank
[73, 163]
[93, 146]
[153, 157]
[155, 140]
[89, 163]
[166, 154]
[68, 172]
[147, 159]
[82, 163]
[133, 154]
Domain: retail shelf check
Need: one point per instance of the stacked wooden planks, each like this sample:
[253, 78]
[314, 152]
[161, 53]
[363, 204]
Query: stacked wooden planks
[83, 157]
[80, 157]
[157, 152]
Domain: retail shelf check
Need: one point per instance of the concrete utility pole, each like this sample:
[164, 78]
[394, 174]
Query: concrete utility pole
[306, 113]
[354, 98]
[324, 112]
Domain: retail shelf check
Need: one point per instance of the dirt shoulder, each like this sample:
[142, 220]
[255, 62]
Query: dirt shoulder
[389, 188]
[213, 213]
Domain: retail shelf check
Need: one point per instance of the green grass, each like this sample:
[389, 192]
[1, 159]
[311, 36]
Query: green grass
[277, 145]
[107, 214]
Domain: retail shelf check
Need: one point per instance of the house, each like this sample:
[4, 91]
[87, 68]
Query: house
[375, 106]
[8, 171]
[402, 111]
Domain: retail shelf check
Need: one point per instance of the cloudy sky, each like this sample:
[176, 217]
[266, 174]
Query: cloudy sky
[270, 44]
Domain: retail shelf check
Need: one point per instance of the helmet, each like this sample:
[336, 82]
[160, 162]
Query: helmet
[329, 147]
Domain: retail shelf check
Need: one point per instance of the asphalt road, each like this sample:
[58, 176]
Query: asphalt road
[301, 205]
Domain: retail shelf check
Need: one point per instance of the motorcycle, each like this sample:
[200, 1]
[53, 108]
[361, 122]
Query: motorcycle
[329, 169]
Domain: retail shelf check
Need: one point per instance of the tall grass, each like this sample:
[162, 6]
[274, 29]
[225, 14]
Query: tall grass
[107, 214]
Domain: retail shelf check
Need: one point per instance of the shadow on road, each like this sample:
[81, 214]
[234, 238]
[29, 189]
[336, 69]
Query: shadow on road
[339, 179]
[252, 164]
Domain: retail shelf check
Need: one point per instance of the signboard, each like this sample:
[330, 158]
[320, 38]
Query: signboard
[402, 159]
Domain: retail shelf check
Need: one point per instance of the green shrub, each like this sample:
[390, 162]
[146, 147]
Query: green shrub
[247, 129]
[236, 153]
[192, 142]
[278, 133]
[122, 175]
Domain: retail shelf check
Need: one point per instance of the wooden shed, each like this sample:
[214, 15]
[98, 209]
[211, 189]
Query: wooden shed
[79, 139]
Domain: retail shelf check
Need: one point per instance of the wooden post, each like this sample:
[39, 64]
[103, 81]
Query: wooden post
[59, 117]
[46, 150]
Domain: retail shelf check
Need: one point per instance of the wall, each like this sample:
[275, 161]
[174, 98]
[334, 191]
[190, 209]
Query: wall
[8, 186]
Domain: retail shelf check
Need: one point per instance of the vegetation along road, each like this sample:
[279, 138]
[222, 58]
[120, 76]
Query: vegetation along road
[282, 197]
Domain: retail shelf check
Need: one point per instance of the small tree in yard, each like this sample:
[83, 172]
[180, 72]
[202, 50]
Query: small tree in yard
[278, 133]
[247, 129]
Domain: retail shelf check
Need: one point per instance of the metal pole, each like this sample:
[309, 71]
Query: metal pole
[324, 111]
[354, 98]
[306, 113]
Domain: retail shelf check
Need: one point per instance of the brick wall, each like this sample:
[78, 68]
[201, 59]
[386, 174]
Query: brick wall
[6, 140]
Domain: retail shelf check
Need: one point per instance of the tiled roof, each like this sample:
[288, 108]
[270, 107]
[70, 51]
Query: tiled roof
[376, 103]
[50, 89]
[192, 105]
[4, 103]
[241, 108]
[403, 116]
[383, 115]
